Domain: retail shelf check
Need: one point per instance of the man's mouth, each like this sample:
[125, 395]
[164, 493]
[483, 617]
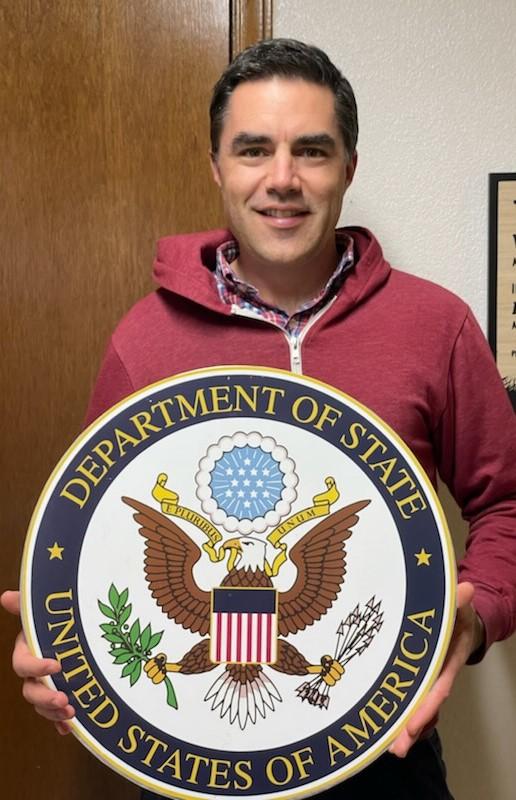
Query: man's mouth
[283, 213]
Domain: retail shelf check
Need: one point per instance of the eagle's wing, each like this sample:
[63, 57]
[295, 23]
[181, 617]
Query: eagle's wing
[170, 556]
[320, 558]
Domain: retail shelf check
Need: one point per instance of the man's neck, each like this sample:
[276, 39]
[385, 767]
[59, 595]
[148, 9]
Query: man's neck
[286, 286]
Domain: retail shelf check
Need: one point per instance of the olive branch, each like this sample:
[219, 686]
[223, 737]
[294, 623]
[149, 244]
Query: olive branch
[130, 645]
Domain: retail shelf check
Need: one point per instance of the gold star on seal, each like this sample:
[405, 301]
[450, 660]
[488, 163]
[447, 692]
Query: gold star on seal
[55, 551]
[423, 558]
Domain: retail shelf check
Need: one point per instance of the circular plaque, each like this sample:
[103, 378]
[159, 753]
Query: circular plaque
[248, 581]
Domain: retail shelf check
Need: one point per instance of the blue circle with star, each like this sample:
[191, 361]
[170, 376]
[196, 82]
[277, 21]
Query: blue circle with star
[246, 482]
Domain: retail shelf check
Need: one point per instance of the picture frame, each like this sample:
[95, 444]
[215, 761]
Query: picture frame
[502, 276]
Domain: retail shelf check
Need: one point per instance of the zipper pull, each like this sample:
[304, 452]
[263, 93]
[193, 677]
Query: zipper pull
[295, 354]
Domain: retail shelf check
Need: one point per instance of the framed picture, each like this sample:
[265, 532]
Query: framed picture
[502, 276]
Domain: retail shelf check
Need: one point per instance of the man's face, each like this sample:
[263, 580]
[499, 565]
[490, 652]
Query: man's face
[283, 171]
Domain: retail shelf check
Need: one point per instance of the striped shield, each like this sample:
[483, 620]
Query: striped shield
[244, 625]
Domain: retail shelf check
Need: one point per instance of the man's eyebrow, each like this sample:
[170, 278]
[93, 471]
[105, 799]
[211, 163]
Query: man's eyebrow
[316, 140]
[244, 139]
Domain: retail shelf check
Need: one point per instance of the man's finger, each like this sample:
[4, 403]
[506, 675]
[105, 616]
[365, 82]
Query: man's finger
[62, 728]
[458, 652]
[56, 715]
[28, 666]
[42, 696]
[465, 592]
[402, 744]
[429, 709]
[11, 601]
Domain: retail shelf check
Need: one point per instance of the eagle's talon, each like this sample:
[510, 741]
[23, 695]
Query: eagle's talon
[326, 662]
[156, 668]
[331, 670]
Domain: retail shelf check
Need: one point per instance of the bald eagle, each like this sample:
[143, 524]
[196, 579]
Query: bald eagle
[245, 691]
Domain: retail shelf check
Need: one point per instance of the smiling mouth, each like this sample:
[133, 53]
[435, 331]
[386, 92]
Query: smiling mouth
[282, 213]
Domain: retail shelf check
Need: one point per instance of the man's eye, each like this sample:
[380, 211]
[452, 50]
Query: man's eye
[313, 152]
[253, 152]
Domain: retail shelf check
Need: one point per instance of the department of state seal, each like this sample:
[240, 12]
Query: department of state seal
[247, 580]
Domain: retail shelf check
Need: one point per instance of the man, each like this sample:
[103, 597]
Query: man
[283, 289]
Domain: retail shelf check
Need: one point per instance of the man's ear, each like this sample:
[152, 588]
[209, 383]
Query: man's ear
[215, 171]
[350, 169]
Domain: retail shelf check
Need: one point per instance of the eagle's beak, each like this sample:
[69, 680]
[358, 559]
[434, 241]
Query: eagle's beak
[235, 548]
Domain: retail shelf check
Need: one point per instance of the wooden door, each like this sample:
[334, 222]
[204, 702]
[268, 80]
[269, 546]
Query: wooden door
[103, 143]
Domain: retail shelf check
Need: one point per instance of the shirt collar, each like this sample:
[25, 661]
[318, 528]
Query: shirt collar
[233, 289]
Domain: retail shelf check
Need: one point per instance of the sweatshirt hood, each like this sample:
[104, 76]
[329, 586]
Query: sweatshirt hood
[184, 265]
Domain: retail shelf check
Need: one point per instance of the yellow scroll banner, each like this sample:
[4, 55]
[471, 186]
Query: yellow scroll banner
[169, 501]
[320, 508]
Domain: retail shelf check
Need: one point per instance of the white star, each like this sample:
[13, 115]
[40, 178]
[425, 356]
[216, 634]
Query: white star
[259, 483]
[229, 471]
[229, 493]
[241, 471]
[254, 471]
[234, 482]
[266, 493]
[266, 471]
[240, 493]
[253, 493]
[247, 461]
[247, 482]
[247, 504]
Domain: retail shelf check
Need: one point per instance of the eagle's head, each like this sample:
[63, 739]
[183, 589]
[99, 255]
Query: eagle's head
[246, 552]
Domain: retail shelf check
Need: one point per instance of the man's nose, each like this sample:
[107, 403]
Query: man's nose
[282, 176]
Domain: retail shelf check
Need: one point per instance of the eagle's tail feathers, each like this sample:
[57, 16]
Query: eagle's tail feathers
[235, 702]
[251, 701]
[242, 701]
[244, 706]
[264, 694]
[270, 687]
[226, 700]
[267, 691]
[258, 699]
[220, 693]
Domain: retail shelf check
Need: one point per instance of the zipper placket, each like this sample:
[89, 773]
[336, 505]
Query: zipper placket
[294, 342]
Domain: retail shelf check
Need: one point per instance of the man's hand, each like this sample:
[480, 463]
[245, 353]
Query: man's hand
[50, 704]
[468, 636]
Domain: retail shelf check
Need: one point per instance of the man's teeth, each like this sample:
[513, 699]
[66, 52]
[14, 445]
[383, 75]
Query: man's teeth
[276, 212]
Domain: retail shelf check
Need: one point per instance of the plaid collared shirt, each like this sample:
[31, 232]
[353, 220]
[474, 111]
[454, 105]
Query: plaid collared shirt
[235, 292]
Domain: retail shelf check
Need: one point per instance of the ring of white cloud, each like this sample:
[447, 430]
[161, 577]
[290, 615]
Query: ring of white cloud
[246, 483]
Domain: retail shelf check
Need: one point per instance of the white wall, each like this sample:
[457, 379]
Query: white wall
[435, 82]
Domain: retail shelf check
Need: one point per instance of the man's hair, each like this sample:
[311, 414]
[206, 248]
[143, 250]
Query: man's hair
[285, 58]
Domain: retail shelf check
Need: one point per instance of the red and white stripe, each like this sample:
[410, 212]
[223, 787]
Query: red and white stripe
[243, 638]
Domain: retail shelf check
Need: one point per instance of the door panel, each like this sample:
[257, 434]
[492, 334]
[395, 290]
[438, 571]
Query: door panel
[104, 141]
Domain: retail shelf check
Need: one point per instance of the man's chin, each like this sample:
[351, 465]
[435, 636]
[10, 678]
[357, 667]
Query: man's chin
[282, 257]
[284, 251]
